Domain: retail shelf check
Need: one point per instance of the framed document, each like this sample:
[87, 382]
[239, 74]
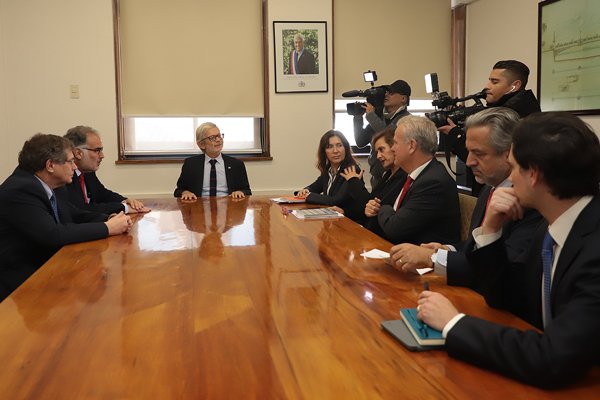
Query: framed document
[300, 56]
[569, 56]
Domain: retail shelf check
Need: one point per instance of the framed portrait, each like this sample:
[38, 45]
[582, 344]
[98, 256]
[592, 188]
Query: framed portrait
[569, 56]
[300, 56]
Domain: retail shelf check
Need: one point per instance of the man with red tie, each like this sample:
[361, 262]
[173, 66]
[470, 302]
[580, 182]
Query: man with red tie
[426, 209]
[86, 191]
[489, 137]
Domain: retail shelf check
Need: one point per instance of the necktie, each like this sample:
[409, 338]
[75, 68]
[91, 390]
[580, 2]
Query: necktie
[405, 188]
[487, 205]
[54, 208]
[547, 259]
[82, 184]
[213, 178]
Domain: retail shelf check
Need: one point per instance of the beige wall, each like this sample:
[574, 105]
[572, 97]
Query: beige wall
[500, 30]
[47, 45]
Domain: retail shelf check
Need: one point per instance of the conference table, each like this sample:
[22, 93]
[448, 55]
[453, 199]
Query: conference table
[236, 299]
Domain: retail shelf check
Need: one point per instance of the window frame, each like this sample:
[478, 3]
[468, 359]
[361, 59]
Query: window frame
[263, 123]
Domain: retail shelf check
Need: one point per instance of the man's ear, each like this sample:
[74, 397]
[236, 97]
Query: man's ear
[77, 153]
[534, 176]
[517, 84]
[49, 165]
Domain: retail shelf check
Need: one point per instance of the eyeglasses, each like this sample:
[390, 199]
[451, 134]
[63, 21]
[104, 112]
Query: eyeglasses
[214, 138]
[97, 150]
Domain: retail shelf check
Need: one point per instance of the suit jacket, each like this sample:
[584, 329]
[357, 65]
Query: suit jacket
[569, 344]
[338, 194]
[306, 63]
[386, 190]
[517, 236]
[429, 211]
[29, 234]
[192, 176]
[102, 199]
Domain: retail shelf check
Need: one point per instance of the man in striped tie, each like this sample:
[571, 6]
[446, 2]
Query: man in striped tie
[555, 286]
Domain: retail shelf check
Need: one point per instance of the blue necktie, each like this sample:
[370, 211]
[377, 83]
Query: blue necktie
[54, 208]
[213, 178]
[547, 258]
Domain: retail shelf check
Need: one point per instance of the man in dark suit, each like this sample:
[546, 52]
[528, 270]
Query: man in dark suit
[301, 61]
[85, 190]
[555, 286]
[36, 218]
[489, 137]
[212, 173]
[426, 209]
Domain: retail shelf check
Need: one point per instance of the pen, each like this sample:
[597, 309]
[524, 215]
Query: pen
[424, 326]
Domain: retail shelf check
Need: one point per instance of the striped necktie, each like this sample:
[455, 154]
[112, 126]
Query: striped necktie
[213, 178]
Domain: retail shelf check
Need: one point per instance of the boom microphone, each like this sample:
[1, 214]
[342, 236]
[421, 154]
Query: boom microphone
[353, 93]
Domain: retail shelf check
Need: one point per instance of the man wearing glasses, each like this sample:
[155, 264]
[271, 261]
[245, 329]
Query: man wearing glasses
[36, 218]
[397, 98]
[86, 191]
[212, 173]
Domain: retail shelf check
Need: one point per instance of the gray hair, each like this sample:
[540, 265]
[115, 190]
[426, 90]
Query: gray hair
[422, 130]
[78, 135]
[501, 121]
[201, 130]
[299, 36]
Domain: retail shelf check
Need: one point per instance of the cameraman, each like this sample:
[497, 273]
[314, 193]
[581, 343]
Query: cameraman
[397, 98]
[505, 88]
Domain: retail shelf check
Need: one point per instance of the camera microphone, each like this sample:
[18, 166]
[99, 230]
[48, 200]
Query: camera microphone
[352, 93]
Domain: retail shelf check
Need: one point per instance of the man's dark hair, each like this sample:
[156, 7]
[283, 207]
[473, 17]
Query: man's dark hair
[563, 148]
[78, 134]
[322, 162]
[516, 69]
[41, 148]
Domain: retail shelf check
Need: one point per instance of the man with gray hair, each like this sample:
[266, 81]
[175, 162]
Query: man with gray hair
[489, 138]
[302, 61]
[427, 207]
[86, 191]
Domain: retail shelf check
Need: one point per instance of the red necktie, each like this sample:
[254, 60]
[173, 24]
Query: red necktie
[487, 205]
[405, 188]
[82, 183]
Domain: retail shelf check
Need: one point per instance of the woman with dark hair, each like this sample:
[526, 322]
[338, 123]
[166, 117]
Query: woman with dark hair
[387, 188]
[333, 156]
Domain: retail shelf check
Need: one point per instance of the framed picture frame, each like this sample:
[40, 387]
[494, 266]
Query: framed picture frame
[569, 56]
[300, 49]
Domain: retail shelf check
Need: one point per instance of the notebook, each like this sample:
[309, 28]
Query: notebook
[423, 334]
[400, 330]
[316, 213]
[288, 200]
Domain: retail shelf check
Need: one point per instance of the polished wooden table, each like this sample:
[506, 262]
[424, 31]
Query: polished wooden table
[232, 299]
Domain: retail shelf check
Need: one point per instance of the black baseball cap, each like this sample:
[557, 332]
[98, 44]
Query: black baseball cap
[400, 87]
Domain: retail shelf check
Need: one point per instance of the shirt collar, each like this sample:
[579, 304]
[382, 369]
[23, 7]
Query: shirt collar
[561, 228]
[415, 174]
[47, 189]
[219, 159]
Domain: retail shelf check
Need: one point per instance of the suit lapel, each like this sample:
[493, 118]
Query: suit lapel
[586, 222]
[228, 173]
